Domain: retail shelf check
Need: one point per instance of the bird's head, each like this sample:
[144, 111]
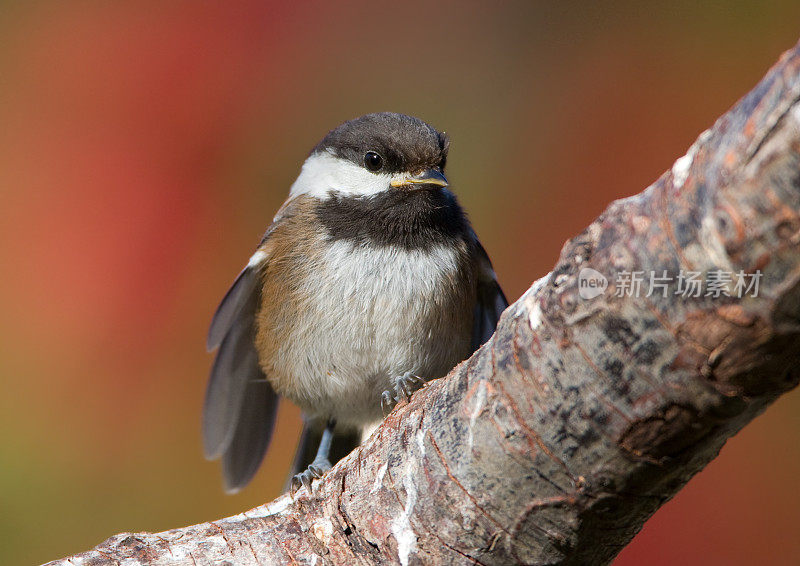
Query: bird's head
[373, 154]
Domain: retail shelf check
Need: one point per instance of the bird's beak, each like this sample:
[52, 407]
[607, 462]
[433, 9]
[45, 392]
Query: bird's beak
[430, 177]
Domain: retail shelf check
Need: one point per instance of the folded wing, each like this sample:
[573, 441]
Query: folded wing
[491, 301]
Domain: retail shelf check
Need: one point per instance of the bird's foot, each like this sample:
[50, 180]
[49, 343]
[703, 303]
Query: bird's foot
[404, 387]
[315, 470]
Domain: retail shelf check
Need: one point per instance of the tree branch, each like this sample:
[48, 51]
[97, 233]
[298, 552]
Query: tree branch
[561, 436]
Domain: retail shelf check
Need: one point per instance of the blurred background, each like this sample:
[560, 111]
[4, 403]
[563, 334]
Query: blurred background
[144, 147]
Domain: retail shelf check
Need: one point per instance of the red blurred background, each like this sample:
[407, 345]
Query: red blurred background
[144, 147]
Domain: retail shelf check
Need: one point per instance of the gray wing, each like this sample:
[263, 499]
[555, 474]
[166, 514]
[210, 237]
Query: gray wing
[251, 439]
[246, 287]
[240, 405]
[491, 302]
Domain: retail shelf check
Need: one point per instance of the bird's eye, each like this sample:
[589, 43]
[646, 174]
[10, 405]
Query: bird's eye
[373, 161]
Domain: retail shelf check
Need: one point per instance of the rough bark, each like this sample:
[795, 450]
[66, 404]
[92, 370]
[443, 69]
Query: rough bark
[558, 439]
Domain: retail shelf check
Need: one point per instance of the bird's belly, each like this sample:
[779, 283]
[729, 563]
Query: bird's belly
[370, 316]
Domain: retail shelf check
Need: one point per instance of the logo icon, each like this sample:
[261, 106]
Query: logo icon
[591, 283]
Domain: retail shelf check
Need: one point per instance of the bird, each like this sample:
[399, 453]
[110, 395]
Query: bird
[369, 282]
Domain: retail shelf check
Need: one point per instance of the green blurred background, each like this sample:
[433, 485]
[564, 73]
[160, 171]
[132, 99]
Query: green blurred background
[144, 147]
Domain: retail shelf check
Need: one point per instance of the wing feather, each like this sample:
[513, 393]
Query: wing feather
[235, 365]
[243, 456]
[236, 299]
[240, 404]
[490, 303]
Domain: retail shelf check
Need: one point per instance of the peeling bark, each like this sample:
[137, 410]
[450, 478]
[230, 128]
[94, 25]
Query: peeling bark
[557, 440]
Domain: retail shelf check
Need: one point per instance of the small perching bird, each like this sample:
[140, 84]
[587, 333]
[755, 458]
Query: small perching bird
[369, 281]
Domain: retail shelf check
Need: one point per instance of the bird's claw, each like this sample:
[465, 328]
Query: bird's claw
[387, 403]
[404, 387]
[314, 471]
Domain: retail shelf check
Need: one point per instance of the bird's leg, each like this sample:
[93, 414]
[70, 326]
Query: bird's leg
[404, 387]
[321, 463]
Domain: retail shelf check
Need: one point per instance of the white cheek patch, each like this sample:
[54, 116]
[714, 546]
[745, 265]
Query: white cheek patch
[324, 173]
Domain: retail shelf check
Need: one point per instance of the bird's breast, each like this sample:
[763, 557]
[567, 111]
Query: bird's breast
[341, 319]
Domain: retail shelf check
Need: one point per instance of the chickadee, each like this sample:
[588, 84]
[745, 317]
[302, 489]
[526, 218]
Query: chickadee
[369, 276]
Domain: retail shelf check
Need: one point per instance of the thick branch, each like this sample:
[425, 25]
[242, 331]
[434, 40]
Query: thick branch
[559, 438]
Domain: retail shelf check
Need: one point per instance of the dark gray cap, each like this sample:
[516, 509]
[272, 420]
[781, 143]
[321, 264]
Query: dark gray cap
[405, 143]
